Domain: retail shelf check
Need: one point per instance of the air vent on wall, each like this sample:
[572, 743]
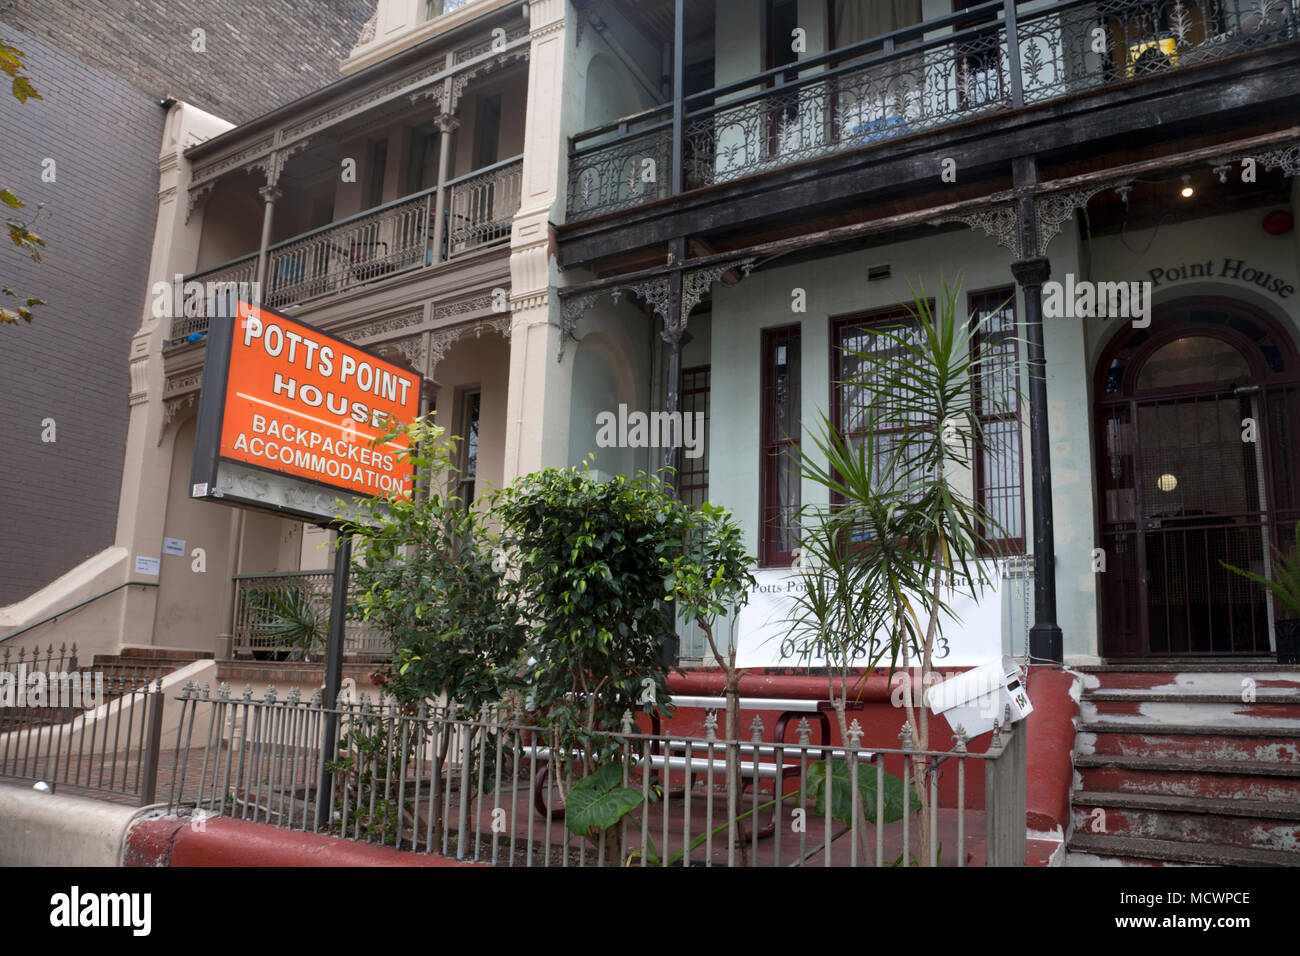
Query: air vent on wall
[876, 273]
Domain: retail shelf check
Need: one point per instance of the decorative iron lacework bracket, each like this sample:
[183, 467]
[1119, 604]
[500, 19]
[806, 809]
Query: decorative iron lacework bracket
[998, 222]
[655, 292]
[441, 340]
[571, 310]
[1052, 210]
[1286, 158]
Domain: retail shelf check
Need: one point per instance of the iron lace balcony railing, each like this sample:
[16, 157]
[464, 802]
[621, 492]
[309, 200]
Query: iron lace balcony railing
[966, 65]
[389, 240]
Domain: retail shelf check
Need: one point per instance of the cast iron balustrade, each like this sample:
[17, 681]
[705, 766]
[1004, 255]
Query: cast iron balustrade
[389, 240]
[256, 621]
[948, 70]
[481, 207]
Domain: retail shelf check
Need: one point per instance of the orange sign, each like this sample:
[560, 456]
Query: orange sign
[310, 405]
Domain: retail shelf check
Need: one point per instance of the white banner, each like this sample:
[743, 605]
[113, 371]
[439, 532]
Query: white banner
[971, 636]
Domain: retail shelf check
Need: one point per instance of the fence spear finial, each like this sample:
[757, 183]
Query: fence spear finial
[855, 733]
[805, 732]
[959, 739]
[628, 723]
[756, 729]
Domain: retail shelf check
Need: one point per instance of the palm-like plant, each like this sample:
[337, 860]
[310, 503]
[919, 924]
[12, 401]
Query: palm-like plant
[298, 621]
[904, 529]
[1285, 582]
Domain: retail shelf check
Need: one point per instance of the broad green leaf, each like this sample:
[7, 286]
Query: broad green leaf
[842, 790]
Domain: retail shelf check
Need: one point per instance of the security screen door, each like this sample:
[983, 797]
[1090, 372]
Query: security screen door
[1191, 441]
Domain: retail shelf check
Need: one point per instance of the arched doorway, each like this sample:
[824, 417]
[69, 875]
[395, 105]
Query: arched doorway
[1197, 424]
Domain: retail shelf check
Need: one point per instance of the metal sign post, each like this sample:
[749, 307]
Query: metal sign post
[333, 680]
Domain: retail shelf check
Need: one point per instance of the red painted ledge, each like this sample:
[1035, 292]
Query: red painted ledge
[222, 842]
[1050, 747]
[1051, 727]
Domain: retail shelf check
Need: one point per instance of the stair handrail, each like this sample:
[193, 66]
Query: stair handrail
[78, 606]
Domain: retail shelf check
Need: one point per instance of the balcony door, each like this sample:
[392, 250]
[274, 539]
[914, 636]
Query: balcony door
[1197, 426]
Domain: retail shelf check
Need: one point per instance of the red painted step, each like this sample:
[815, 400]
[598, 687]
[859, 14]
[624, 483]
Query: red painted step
[1238, 823]
[1223, 779]
[1190, 743]
[1212, 710]
[1187, 762]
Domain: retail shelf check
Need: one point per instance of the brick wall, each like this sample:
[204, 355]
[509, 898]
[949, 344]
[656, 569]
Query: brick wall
[102, 66]
[260, 55]
[58, 500]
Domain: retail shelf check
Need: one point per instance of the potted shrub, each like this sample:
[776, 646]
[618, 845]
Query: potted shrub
[1285, 586]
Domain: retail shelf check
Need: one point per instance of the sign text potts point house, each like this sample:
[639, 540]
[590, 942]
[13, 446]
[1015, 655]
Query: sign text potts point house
[290, 417]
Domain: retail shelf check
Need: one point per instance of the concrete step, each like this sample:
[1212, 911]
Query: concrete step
[1250, 824]
[1096, 849]
[1218, 779]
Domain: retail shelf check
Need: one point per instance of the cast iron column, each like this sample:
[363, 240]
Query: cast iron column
[673, 333]
[679, 70]
[269, 196]
[1045, 638]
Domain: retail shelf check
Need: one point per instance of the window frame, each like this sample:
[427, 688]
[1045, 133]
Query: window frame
[769, 555]
[696, 395]
[469, 455]
[1009, 544]
[839, 323]
[980, 478]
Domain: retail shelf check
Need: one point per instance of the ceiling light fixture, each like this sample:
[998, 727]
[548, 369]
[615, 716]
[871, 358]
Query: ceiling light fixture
[1187, 190]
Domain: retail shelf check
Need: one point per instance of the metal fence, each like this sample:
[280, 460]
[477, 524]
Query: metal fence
[79, 729]
[983, 60]
[435, 781]
[259, 628]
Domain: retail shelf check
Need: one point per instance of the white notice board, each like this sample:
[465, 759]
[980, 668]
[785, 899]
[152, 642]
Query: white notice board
[971, 636]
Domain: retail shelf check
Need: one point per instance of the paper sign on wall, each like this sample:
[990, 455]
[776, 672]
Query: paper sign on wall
[149, 566]
[174, 546]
